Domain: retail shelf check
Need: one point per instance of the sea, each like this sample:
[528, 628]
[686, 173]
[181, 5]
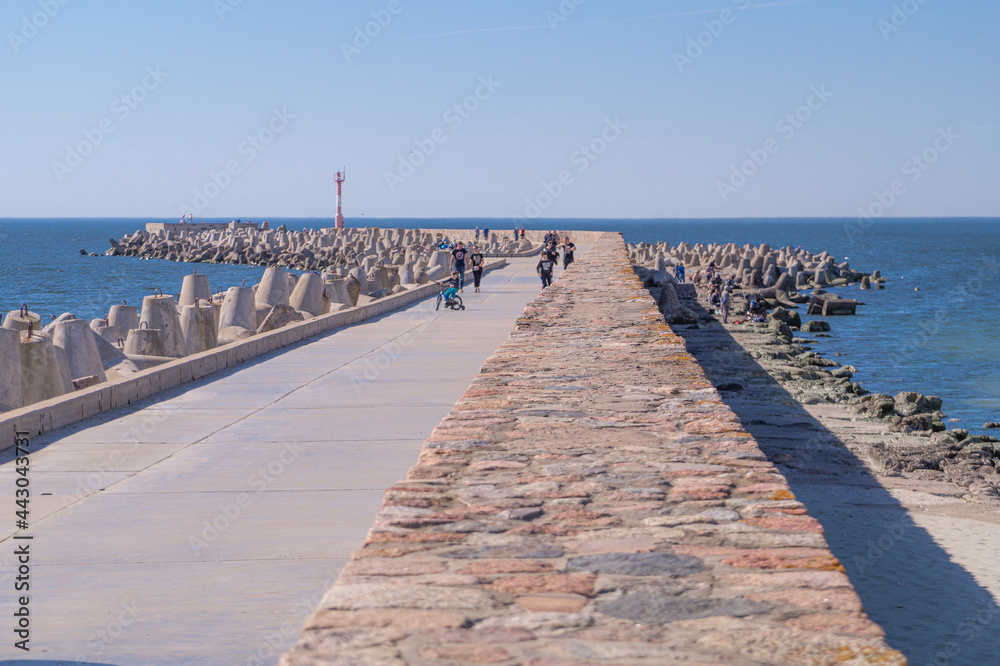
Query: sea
[933, 329]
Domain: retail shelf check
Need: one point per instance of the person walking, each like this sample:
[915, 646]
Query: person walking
[476, 260]
[725, 301]
[544, 268]
[458, 263]
[477, 234]
[568, 249]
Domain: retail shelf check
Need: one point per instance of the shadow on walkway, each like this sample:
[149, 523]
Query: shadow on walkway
[930, 607]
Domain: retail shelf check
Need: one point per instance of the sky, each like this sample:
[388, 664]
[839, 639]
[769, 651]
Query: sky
[524, 109]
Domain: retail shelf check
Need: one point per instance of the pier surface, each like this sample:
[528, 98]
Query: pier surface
[203, 526]
[591, 500]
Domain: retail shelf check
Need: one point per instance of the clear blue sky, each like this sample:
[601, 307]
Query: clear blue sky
[231, 69]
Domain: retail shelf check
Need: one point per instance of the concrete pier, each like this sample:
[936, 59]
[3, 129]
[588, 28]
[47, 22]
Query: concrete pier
[218, 513]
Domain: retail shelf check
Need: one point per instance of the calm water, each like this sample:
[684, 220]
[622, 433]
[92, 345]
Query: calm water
[941, 339]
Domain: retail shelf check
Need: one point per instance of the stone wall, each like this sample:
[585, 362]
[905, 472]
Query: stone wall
[591, 500]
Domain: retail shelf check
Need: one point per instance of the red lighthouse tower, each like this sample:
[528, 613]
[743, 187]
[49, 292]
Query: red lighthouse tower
[341, 176]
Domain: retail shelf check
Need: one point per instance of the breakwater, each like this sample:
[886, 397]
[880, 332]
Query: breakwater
[46, 360]
[591, 497]
[61, 361]
[334, 250]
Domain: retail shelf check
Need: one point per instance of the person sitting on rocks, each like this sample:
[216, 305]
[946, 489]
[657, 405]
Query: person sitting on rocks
[714, 298]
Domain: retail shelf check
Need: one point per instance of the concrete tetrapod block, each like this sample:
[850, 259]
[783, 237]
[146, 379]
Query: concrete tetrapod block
[238, 317]
[194, 287]
[112, 334]
[336, 289]
[273, 288]
[11, 392]
[76, 339]
[308, 295]
[41, 376]
[124, 316]
[160, 313]
[198, 327]
[144, 342]
[18, 320]
[116, 364]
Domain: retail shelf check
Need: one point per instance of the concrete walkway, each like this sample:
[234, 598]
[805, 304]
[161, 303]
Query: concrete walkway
[204, 527]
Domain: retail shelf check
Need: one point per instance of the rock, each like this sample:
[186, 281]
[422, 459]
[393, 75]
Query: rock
[875, 406]
[781, 329]
[991, 424]
[909, 403]
[916, 422]
[731, 387]
[787, 316]
[86, 382]
[278, 317]
[653, 604]
[637, 564]
[815, 326]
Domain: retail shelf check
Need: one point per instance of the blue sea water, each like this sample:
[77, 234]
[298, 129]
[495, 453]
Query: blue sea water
[933, 329]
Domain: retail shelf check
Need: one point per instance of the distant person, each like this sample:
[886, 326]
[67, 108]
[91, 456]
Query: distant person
[476, 261]
[477, 234]
[552, 253]
[544, 268]
[522, 233]
[725, 302]
[458, 263]
[486, 234]
[680, 272]
[568, 249]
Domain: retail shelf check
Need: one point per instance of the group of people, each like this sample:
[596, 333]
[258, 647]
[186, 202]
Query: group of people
[462, 259]
[518, 233]
[549, 257]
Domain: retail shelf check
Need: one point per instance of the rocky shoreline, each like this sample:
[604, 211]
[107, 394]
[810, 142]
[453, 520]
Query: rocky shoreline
[918, 443]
